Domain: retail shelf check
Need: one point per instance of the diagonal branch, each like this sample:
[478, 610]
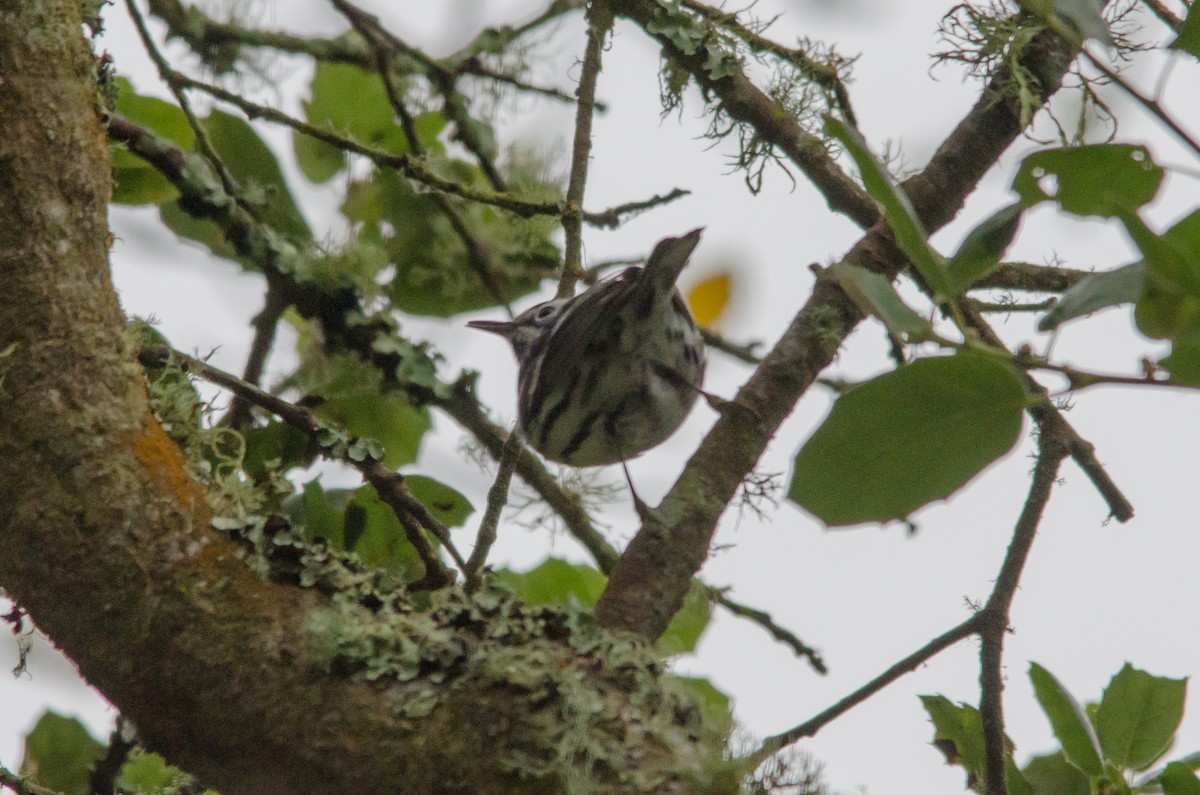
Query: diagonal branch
[413, 515]
[650, 580]
[744, 102]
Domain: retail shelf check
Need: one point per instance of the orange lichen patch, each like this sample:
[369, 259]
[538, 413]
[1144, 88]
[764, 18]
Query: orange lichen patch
[166, 467]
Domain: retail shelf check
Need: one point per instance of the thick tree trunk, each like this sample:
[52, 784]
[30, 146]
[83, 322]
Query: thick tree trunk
[254, 686]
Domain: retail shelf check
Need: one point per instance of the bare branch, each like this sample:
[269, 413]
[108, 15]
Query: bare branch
[600, 22]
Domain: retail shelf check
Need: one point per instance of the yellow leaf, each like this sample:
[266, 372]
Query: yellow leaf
[708, 299]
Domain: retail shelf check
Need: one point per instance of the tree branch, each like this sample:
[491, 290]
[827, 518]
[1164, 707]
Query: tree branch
[651, 578]
[746, 103]
[993, 619]
[599, 25]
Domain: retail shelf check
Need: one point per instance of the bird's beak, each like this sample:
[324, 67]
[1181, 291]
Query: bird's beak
[501, 327]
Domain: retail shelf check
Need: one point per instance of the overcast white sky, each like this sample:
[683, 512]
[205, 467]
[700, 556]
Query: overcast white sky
[1094, 594]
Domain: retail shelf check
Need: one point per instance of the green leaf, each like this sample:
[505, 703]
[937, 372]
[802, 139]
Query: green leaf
[1178, 779]
[907, 438]
[686, 627]
[1068, 721]
[449, 506]
[714, 705]
[253, 164]
[1173, 258]
[1183, 363]
[1104, 179]
[1096, 291]
[353, 103]
[983, 247]
[383, 416]
[150, 773]
[275, 445]
[135, 181]
[320, 511]
[375, 534]
[555, 581]
[1189, 36]
[876, 296]
[1052, 774]
[958, 733]
[1138, 717]
[897, 209]
[59, 753]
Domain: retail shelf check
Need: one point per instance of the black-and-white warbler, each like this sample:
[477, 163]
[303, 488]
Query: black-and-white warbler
[610, 373]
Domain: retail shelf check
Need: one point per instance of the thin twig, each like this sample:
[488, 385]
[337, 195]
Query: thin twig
[600, 22]
[497, 497]
[442, 79]
[477, 259]
[910, 663]
[265, 323]
[165, 72]
[1030, 278]
[745, 353]
[1008, 307]
[764, 620]
[612, 217]
[993, 619]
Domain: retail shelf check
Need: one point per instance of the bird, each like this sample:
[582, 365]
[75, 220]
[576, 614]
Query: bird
[613, 371]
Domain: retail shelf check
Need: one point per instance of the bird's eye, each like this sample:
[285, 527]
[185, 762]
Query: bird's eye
[545, 312]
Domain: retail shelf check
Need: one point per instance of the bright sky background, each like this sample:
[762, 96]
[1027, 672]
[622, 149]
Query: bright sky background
[1094, 593]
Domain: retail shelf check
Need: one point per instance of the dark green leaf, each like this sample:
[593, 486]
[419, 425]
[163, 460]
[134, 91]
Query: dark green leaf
[283, 445]
[59, 753]
[134, 180]
[320, 511]
[253, 164]
[1173, 258]
[383, 416]
[1138, 717]
[1178, 779]
[907, 438]
[897, 209]
[1103, 179]
[353, 103]
[199, 230]
[876, 296]
[382, 541]
[1052, 774]
[980, 252]
[1162, 312]
[686, 627]
[1068, 721]
[1096, 291]
[1189, 36]
[1183, 363]
[555, 581]
[450, 507]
